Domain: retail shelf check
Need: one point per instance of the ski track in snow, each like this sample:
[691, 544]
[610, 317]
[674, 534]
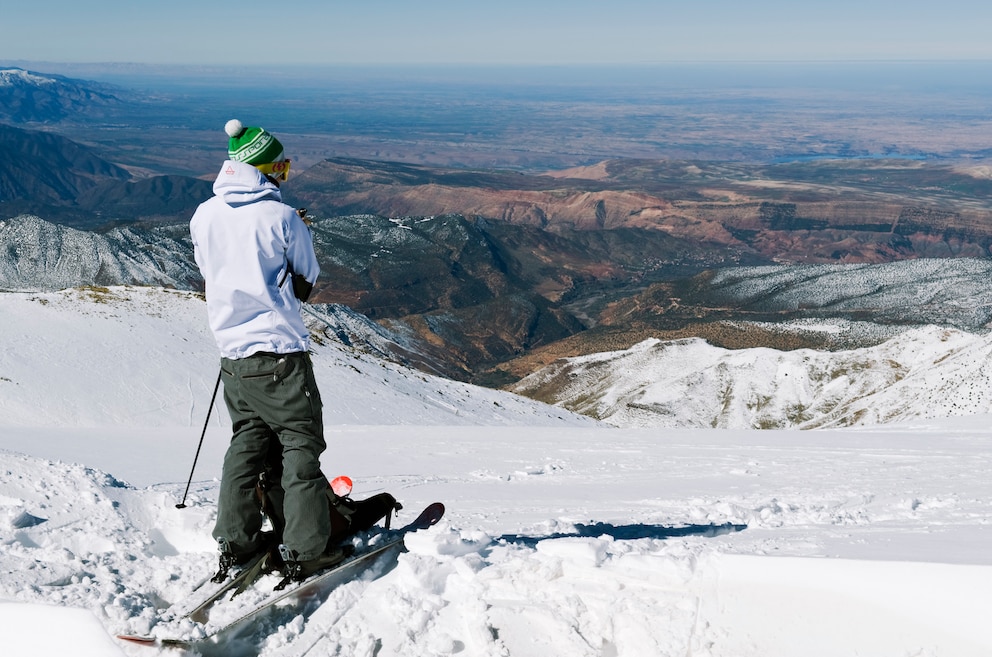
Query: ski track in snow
[562, 537]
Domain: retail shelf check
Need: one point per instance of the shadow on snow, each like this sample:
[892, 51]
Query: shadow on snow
[627, 532]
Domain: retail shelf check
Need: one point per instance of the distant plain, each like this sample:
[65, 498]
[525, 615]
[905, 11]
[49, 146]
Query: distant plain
[544, 118]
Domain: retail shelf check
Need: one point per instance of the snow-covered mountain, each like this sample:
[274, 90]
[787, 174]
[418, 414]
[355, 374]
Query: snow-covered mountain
[942, 291]
[39, 255]
[927, 372]
[29, 97]
[562, 537]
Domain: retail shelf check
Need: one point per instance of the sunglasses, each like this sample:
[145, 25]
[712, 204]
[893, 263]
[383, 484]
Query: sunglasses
[278, 170]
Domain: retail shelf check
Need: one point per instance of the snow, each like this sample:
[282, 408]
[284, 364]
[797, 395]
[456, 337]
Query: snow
[562, 537]
[10, 77]
[27, 628]
[40, 255]
[924, 372]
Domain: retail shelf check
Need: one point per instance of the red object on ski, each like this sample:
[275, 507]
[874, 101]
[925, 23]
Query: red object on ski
[341, 485]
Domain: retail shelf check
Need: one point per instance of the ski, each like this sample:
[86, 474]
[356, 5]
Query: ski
[197, 609]
[239, 581]
[320, 583]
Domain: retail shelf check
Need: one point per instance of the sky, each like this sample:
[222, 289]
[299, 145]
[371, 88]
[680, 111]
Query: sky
[543, 32]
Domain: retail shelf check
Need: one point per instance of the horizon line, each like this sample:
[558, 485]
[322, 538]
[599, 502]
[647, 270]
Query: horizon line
[408, 64]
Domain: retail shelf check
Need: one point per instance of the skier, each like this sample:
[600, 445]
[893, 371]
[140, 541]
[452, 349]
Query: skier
[258, 263]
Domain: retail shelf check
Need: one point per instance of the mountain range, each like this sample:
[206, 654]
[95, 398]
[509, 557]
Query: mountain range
[786, 307]
[47, 174]
[29, 97]
[489, 275]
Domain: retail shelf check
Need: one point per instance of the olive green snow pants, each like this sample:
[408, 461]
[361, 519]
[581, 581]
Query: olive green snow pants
[277, 427]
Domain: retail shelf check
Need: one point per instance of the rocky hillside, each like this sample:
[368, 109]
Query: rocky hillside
[39, 255]
[45, 168]
[53, 177]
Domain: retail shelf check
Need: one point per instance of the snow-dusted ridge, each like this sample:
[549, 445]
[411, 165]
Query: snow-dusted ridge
[922, 373]
[28, 96]
[944, 291]
[18, 76]
[40, 255]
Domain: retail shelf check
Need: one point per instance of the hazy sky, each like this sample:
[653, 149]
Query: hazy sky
[491, 31]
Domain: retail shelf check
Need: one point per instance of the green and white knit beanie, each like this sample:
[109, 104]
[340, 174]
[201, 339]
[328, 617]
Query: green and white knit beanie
[251, 145]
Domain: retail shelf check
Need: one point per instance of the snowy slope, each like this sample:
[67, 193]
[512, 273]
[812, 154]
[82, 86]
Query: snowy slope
[563, 537]
[144, 357]
[922, 373]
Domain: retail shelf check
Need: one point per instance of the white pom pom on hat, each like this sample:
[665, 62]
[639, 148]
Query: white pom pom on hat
[233, 128]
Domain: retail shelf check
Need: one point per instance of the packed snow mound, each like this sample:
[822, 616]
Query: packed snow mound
[144, 357]
[27, 630]
[928, 372]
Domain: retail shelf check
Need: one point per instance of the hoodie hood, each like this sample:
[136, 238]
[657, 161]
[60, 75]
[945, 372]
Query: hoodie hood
[239, 183]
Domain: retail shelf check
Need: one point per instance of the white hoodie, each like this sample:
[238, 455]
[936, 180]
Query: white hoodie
[244, 239]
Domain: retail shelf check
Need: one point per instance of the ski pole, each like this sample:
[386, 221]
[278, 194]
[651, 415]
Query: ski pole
[213, 397]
